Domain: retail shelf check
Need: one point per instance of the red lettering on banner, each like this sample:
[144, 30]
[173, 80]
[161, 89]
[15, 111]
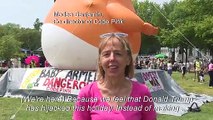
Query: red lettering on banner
[75, 84]
[69, 83]
[54, 84]
[46, 82]
[57, 82]
[63, 83]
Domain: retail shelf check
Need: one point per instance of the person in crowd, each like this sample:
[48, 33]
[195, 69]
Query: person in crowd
[32, 64]
[210, 71]
[42, 60]
[147, 63]
[14, 62]
[152, 64]
[24, 65]
[188, 66]
[201, 75]
[197, 67]
[114, 90]
[47, 64]
[183, 70]
[169, 67]
[137, 63]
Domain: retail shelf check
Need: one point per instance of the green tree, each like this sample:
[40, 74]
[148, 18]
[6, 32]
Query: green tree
[9, 47]
[9, 29]
[11, 34]
[37, 24]
[168, 36]
[204, 30]
[147, 12]
[30, 38]
[192, 26]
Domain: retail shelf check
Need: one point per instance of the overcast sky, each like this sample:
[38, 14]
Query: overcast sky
[25, 12]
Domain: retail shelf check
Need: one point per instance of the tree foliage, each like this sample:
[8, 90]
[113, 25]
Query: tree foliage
[30, 38]
[184, 24]
[37, 24]
[147, 12]
[192, 24]
[9, 47]
[13, 38]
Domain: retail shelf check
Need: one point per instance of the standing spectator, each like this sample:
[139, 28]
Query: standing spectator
[188, 67]
[210, 70]
[201, 75]
[9, 63]
[24, 65]
[32, 64]
[142, 64]
[19, 62]
[161, 65]
[146, 63]
[46, 63]
[197, 66]
[169, 67]
[151, 64]
[183, 70]
[42, 61]
[14, 62]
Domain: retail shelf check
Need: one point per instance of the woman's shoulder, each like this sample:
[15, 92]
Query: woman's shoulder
[88, 89]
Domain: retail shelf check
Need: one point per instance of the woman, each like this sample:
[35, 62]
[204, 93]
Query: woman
[210, 70]
[114, 96]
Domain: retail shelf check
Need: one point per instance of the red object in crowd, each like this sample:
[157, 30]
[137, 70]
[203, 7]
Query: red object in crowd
[31, 58]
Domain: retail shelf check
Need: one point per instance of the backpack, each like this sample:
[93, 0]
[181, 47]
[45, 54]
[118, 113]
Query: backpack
[194, 109]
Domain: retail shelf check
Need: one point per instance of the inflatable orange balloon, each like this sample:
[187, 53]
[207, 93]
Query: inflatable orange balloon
[70, 34]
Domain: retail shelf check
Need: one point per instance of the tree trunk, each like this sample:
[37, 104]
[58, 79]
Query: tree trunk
[173, 55]
[211, 53]
[186, 52]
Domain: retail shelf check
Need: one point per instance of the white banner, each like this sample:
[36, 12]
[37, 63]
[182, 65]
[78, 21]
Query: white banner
[55, 80]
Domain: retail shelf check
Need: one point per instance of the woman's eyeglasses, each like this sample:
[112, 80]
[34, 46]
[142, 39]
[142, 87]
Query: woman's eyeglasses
[116, 34]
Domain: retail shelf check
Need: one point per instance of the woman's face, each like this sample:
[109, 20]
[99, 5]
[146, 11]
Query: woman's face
[114, 58]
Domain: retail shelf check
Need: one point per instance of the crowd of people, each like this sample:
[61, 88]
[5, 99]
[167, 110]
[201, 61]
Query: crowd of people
[21, 62]
[198, 67]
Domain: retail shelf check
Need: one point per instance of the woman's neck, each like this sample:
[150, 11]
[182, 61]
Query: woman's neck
[115, 86]
[113, 82]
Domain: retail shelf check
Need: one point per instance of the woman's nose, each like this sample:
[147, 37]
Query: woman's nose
[112, 56]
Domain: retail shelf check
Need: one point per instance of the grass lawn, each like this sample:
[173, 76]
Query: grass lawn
[37, 110]
[189, 85]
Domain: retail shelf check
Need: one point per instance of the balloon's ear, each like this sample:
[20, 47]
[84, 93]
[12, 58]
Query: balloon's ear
[150, 29]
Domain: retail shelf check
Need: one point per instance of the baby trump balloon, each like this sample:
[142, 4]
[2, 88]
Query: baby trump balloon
[71, 30]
